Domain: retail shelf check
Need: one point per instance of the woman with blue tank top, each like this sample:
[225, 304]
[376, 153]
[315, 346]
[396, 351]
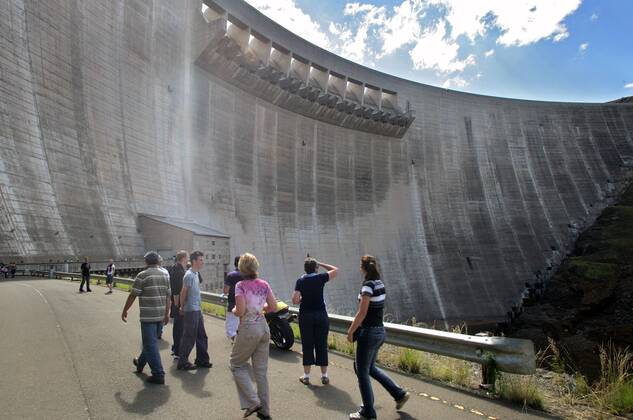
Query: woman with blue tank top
[313, 320]
[368, 330]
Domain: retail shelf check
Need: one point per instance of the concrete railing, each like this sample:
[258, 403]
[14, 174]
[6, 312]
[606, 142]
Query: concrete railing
[508, 354]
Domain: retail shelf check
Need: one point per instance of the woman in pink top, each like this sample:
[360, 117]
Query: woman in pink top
[252, 340]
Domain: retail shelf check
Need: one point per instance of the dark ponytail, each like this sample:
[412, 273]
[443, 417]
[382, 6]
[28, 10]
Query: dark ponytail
[369, 264]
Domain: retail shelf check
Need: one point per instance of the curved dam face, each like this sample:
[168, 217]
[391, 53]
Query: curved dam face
[113, 109]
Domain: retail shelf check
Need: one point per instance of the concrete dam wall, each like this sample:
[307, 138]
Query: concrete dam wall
[113, 109]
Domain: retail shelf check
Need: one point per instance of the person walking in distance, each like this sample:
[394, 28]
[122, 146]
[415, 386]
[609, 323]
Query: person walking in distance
[252, 340]
[176, 274]
[313, 319]
[151, 286]
[193, 327]
[232, 321]
[85, 276]
[367, 328]
[110, 269]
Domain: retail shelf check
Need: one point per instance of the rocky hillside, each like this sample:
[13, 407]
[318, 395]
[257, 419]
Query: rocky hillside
[589, 301]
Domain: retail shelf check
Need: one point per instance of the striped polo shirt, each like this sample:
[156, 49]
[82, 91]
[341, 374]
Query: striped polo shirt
[375, 289]
[152, 288]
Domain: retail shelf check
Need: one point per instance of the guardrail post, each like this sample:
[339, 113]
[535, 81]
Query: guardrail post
[489, 369]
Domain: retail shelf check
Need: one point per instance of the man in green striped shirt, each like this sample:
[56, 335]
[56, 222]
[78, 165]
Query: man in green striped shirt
[151, 286]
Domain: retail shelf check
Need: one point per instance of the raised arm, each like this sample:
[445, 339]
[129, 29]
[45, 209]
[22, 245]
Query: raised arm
[331, 270]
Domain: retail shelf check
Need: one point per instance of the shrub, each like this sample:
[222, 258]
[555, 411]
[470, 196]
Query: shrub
[614, 390]
[521, 389]
[410, 361]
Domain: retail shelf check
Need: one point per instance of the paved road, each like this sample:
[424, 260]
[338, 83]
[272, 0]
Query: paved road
[67, 355]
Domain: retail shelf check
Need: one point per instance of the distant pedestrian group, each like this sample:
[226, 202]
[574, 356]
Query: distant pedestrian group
[8, 270]
[175, 293]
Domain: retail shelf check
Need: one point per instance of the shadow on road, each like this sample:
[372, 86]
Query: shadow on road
[147, 400]
[332, 398]
[285, 356]
[192, 381]
[163, 344]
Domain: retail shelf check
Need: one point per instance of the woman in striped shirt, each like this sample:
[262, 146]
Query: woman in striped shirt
[367, 328]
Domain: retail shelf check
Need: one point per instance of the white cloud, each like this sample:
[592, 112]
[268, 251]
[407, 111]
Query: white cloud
[582, 48]
[560, 36]
[594, 17]
[455, 82]
[355, 46]
[290, 16]
[628, 86]
[403, 27]
[521, 22]
[434, 51]
[432, 31]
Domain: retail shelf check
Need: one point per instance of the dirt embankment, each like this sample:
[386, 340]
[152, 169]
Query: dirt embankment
[589, 301]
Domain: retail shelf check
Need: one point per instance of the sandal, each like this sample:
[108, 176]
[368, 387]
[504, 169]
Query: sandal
[252, 410]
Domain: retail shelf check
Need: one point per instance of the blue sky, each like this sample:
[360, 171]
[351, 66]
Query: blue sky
[558, 50]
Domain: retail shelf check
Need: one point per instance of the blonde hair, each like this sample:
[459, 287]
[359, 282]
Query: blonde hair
[248, 266]
[180, 255]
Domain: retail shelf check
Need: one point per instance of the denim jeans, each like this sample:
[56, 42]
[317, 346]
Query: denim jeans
[369, 341]
[314, 328]
[150, 354]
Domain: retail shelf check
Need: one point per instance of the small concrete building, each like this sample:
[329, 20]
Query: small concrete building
[169, 235]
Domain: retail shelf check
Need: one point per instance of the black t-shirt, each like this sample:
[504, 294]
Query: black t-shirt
[231, 280]
[375, 289]
[176, 273]
[85, 269]
[311, 288]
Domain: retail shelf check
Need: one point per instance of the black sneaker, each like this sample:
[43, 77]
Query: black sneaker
[263, 416]
[186, 366]
[206, 365]
[402, 401]
[156, 380]
[89, 290]
[135, 363]
[81, 290]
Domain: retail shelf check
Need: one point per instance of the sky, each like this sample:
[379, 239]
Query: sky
[553, 50]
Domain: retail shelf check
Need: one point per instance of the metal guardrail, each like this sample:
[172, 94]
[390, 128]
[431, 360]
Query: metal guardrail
[510, 355]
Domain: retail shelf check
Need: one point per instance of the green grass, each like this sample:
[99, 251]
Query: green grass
[521, 389]
[338, 342]
[614, 391]
[619, 398]
[592, 270]
[295, 330]
[213, 309]
[410, 361]
[123, 286]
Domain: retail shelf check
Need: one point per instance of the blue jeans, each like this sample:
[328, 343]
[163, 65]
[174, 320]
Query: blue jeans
[150, 354]
[369, 341]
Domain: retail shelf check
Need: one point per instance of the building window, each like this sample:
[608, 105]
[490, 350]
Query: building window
[213, 243]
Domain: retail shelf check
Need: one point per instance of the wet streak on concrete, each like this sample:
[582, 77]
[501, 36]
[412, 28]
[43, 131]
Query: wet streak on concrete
[104, 114]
